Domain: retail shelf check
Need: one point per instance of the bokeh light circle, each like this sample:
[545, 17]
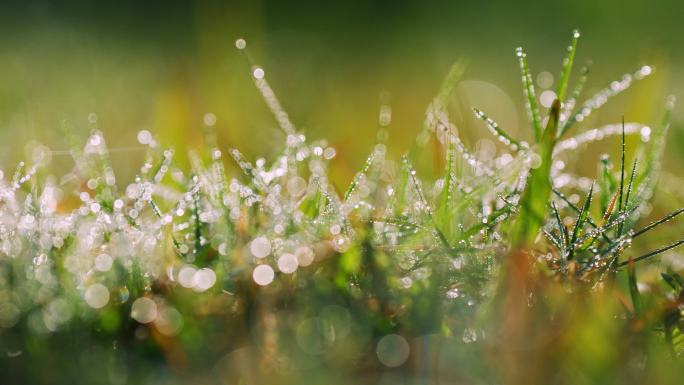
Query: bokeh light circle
[144, 310]
[97, 296]
[263, 275]
[393, 350]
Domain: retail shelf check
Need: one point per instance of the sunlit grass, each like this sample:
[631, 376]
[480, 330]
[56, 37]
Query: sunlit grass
[490, 272]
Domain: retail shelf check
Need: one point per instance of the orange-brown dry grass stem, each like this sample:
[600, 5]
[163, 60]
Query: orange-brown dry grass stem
[537, 328]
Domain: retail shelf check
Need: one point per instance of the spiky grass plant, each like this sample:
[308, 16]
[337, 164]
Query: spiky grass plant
[495, 272]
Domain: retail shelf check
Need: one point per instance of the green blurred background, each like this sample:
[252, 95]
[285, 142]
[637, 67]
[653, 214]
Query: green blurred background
[162, 65]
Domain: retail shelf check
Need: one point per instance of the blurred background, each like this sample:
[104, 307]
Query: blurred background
[163, 65]
[127, 66]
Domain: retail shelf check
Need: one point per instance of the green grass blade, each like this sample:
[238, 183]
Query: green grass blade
[604, 220]
[75, 147]
[470, 158]
[528, 91]
[657, 147]
[606, 94]
[358, 177]
[629, 186]
[424, 201]
[553, 237]
[257, 75]
[658, 222]
[562, 230]
[581, 219]
[606, 181]
[535, 197]
[573, 207]
[436, 108]
[647, 177]
[498, 132]
[567, 66]
[634, 290]
[448, 187]
[655, 252]
[570, 104]
[622, 175]
[679, 279]
[671, 281]
[595, 135]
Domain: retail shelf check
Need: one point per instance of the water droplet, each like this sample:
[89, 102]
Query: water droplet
[260, 247]
[144, 310]
[205, 279]
[168, 321]
[341, 243]
[97, 296]
[103, 262]
[187, 276]
[287, 263]
[304, 256]
[393, 350]
[263, 275]
[296, 186]
[144, 137]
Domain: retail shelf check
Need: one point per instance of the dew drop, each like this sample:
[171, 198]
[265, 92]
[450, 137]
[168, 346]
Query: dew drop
[168, 321]
[97, 296]
[341, 243]
[260, 247]
[103, 262]
[304, 256]
[288, 263]
[144, 310]
[144, 137]
[263, 275]
[296, 186]
[393, 350]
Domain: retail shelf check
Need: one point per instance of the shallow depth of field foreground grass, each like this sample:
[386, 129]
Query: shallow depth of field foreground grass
[448, 266]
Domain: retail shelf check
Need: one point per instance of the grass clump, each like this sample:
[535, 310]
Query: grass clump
[491, 272]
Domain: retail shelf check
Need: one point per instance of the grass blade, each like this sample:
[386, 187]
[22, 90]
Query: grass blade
[448, 187]
[658, 222]
[528, 91]
[570, 104]
[606, 94]
[567, 66]
[629, 186]
[606, 181]
[597, 134]
[655, 252]
[425, 203]
[634, 290]
[267, 93]
[657, 148]
[583, 214]
[358, 177]
[498, 132]
[603, 222]
[647, 178]
[555, 240]
[435, 109]
[533, 202]
[622, 175]
[562, 230]
[671, 281]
